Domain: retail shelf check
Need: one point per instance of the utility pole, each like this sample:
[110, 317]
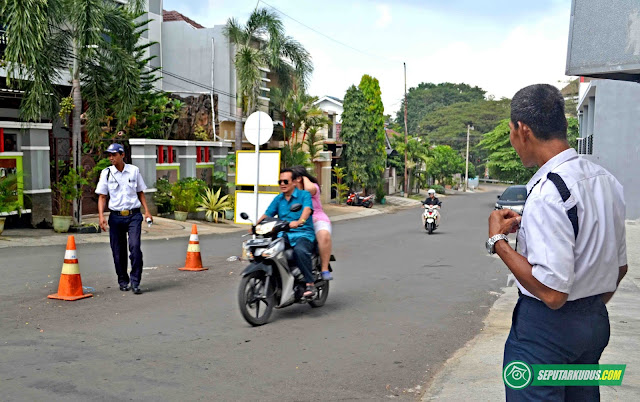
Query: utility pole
[213, 108]
[466, 170]
[406, 178]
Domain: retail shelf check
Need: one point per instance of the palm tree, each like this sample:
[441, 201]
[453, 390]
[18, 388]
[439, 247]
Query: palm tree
[262, 43]
[94, 39]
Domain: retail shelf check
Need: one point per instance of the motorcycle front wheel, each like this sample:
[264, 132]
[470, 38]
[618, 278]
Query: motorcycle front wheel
[256, 303]
[321, 298]
[430, 229]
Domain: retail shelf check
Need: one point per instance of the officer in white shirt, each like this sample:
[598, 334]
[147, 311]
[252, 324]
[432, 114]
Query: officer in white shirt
[572, 247]
[124, 186]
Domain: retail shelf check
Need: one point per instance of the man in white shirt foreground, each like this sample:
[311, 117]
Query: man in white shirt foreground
[572, 248]
[124, 186]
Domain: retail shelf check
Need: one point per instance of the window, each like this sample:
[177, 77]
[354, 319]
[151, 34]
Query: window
[154, 7]
[8, 142]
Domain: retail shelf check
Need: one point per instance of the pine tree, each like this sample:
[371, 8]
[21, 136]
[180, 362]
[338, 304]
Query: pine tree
[374, 126]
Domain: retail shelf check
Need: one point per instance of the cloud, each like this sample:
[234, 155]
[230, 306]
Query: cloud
[384, 18]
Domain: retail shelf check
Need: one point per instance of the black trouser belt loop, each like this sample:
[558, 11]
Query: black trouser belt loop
[126, 212]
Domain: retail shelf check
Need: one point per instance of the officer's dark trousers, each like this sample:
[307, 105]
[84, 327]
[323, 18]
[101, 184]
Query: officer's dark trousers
[119, 228]
[576, 333]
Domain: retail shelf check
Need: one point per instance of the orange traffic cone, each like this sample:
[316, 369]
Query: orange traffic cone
[194, 260]
[70, 286]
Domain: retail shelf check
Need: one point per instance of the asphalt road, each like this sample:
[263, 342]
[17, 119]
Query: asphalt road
[401, 304]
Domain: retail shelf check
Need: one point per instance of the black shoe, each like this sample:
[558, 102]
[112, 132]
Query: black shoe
[137, 291]
[125, 288]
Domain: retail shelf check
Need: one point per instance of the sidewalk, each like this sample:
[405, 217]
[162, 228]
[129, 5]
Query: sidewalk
[164, 228]
[474, 372]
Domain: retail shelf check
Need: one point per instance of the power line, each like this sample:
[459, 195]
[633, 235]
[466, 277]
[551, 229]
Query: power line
[327, 36]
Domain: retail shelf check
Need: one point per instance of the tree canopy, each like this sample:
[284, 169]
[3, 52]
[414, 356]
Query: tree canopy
[504, 163]
[354, 133]
[374, 122]
[448, 125]
[428, 97]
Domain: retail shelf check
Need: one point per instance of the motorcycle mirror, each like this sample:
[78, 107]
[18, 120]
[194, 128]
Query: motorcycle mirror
[498, 197]
[244, 216]
[296, 207]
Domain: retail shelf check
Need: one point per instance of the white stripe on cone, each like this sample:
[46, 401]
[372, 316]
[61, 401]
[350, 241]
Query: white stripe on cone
[193, 248]
[193, 237]
[70, 255]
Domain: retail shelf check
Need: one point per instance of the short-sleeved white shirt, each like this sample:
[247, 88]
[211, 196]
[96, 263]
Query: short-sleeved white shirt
[121, 187]
[580, 267]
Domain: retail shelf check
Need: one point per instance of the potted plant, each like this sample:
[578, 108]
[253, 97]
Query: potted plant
[186, 194]
[8, 199]
[213, 205]
[68, 190]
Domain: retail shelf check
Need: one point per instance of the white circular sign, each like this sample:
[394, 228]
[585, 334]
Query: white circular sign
[258, 128]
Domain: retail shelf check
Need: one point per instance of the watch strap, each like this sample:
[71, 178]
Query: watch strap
[494, 239]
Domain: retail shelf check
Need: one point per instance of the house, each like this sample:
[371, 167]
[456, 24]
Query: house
[26, 149]
[196, 59]
[333, 108]
[609, 106]
[609, 126]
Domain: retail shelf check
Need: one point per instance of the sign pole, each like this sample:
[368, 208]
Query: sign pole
[255, 188]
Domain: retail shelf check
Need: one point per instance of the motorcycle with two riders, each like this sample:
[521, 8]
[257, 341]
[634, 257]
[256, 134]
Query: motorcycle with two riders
[272, 279]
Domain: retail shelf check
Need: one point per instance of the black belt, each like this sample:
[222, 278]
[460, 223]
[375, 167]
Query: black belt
[571, 302]
[126, 212]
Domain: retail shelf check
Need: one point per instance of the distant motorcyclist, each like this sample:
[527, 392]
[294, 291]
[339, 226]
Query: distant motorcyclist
[432, 199]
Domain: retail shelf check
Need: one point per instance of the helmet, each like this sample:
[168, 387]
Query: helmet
[431, 191]
[115, 148]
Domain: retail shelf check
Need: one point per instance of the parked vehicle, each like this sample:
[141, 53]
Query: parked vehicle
[357, 200]
[513, 198]
[430, 217]
[272, 279]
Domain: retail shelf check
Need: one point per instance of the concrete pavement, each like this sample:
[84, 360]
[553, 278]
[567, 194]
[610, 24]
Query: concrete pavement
[474, 372]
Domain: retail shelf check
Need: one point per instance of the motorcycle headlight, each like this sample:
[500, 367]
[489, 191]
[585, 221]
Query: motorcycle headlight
[265, 228]
[275, 249]
[497, 206]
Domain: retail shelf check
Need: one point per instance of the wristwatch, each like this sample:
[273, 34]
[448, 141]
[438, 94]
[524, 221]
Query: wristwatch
[493, 240]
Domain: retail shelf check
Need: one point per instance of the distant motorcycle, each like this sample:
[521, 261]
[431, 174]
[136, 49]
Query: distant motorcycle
[356, 200]
[430, 217]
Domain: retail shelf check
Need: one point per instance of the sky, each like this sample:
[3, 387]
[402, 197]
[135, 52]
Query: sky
[498, 45]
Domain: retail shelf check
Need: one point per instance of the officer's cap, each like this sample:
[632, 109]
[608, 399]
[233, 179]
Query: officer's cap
[115, 148]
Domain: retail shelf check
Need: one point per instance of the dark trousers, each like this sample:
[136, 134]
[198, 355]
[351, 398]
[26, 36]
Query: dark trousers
[303, 251]
[119, 228]
[576, 333]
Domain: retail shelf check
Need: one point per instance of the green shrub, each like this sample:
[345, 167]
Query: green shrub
[162, 197]
[186, 193]
[439, 189]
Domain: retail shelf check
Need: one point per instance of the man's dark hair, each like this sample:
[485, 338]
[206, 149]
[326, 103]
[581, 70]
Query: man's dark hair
[293, 173]
[541, 107]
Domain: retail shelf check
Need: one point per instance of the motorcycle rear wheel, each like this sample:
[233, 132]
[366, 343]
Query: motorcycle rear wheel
[321, 298]
[251, 286]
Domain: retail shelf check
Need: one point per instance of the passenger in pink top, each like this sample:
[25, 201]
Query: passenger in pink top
[321, 222]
